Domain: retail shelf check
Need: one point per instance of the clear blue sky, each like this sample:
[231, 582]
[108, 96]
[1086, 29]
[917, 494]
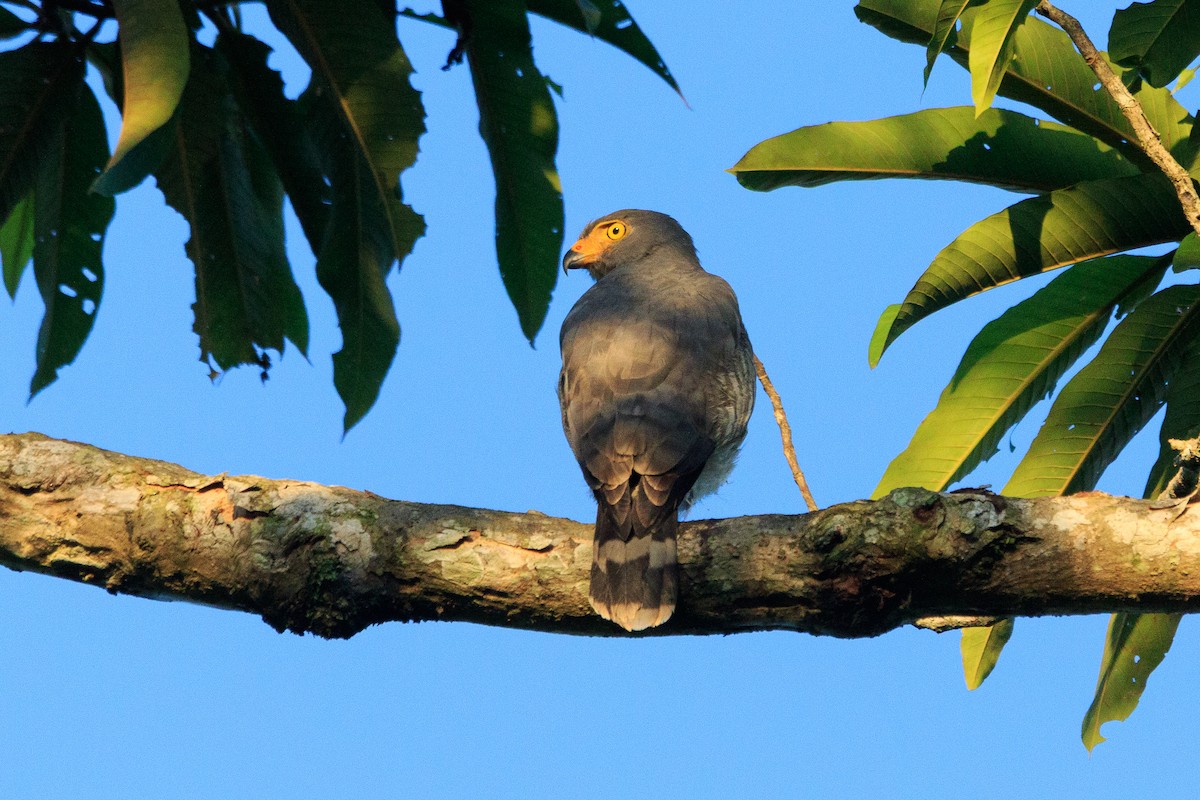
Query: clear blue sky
[114, 697]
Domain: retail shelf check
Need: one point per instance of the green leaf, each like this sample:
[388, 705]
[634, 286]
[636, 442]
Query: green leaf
[999, 148]
[367, 119]
[69, 226]
[993, 40]
[981, 650]
[11, 25]
[1090, 219]
[1182, 420]
[1014, 362]
[279, 125]
[518, 123]
[1135, 645]
[1158, 39]
[37, 85]
[154, 57]
[1110, 399]
[217, 177]
[947, 19]
[610, 22]
[1187, 256]
[16, 244]
[879, 336]
[1046, 72]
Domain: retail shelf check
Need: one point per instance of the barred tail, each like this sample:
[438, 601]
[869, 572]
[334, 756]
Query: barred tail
[634, 579]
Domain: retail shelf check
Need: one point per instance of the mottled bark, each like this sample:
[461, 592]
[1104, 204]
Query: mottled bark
[332, 561]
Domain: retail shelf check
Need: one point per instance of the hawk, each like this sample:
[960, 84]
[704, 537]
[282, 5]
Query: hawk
[656, 388]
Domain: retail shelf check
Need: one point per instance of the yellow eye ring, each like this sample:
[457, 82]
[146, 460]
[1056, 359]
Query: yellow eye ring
[616, 230]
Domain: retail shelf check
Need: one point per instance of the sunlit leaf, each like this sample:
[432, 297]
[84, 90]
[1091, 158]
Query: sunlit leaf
[246, 298]
[992, 41]
[1111, 399]
[981, 649]
[879, 336]
[16, 244]
[1090, 219]
[69, 225]
[944, 29]
[519, 125]
[999, 147]
[38, 83]
[1047, 73]
[154, 57]
[1187, 256]
[1135, 645]
[366, 119]
[1158, 39]
[1014, 362]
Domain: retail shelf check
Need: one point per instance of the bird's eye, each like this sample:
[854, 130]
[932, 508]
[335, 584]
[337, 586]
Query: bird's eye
[616, 230]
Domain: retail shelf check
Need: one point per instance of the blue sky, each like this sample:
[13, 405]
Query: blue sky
[123, 697]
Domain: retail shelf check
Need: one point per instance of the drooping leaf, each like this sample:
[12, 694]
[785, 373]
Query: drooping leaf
[879, 335]
[1090, 219]
[154, 56]
[366, 119]
[246, 298]
[519, 125]
[16, 244]
[947, 19]
[981, 649]
[1135, 645]
[1158, 39]
[992, 43]
[1014, 362]
[11, 25]
[37, 85]
[611, 22]
[1187, 255]
[1111, 399]
[279, 125]
[1000, 148]
[69, 225]
[1047, 73]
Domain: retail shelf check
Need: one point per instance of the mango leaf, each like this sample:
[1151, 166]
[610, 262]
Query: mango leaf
[38, 83]
[1014, 362]
[1182, 420]
[992, 43]
[1134, 646]
[154, 57]
[1090, 219]
[611, 22]
[278, 124]
[981, 648]
[69, 225]
[943, 31]
[1157, 39]
[366, 119]
[16, 244]
[11, 25]
[1000, 148]
[246, 299]
[1047, 73]
[1110, 399]
[519, 125]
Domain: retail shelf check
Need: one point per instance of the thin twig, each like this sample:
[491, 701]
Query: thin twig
[1147, 138]
[785, 432]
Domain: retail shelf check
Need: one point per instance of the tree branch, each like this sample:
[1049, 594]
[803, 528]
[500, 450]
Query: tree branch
[331, 561]
[1147, 138]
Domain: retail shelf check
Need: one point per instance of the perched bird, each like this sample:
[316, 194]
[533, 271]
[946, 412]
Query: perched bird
[656, 387]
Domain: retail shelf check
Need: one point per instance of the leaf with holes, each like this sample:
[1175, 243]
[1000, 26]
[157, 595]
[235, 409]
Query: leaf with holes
[992, 41]
[610, 22]
[1014, 362]
[999, 148]
[154, 59]
[519, 125]
[366, 119]
[1157, 39]
[246, 298]
[1111, 399]
[16, 244]
[69, 225]
[981, 649]
[1135, 645]
[1090, 219]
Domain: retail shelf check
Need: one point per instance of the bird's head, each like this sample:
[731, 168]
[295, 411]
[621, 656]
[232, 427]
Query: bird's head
[627, 237]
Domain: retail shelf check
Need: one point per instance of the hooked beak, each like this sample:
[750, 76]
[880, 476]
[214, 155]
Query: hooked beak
[574, 259]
